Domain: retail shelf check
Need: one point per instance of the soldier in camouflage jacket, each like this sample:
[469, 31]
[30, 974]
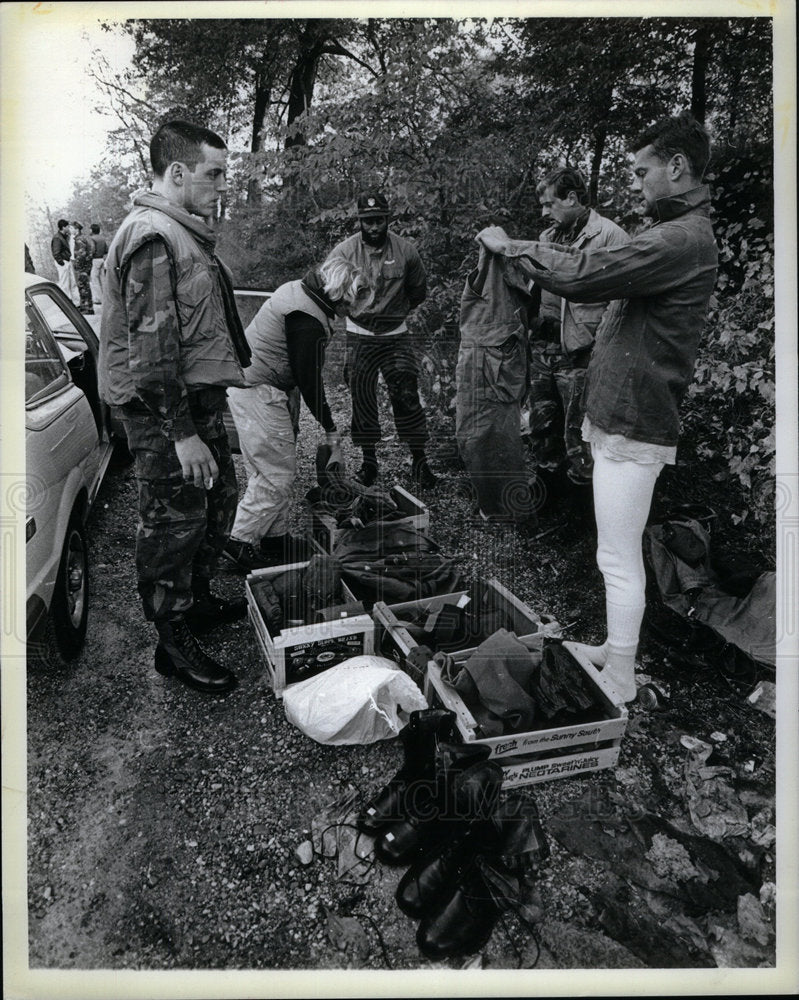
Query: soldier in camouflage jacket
[82, 262]
[171, 343]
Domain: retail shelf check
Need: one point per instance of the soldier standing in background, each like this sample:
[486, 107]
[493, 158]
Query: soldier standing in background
[62, 257]
[561, 339]
[379, 338]
[82, 262]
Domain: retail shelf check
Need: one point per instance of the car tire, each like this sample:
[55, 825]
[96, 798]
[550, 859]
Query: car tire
[69, 608]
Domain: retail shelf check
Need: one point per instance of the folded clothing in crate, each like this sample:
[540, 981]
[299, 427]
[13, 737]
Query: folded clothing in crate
[450, 627]
[347, 500]
[510, 688]
[295, 596]
[393, 563]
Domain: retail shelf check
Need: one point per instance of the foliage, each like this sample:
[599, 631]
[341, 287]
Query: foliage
[455, 120]
[730, 413]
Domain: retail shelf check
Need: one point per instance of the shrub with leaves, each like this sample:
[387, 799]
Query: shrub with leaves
[729, 415]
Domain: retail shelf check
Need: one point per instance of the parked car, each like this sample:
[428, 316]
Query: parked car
[68, 444]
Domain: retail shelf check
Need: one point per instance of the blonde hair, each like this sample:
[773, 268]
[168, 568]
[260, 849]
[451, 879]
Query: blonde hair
[344, 281]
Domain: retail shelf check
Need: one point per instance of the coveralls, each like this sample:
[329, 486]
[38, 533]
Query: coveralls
[491, 381]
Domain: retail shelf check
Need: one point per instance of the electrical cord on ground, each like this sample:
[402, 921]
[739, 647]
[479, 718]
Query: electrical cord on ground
[372, 921]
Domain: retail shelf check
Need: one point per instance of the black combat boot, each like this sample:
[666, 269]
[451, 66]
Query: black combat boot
[244, 556]
[418, 740]
[209, 610]
[422, 475]
[467, 898]
[430, 882]
[282, 550]
[366, 474]
[464, 792]
[178, 654]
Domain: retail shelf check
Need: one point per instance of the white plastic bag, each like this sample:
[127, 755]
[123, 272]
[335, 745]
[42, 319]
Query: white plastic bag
[360, 700]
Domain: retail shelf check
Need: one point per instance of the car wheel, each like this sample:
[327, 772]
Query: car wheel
[69, 608]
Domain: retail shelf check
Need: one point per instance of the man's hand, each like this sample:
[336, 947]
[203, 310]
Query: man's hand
[493, 238]
[336, 454]
[345, 374]
[197, 461]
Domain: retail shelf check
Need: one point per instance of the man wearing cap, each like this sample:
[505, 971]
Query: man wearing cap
[378, 339]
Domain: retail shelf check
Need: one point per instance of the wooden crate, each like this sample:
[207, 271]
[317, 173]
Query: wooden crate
[396, 643]
[326, 532]
[542, 754]
[303, 651]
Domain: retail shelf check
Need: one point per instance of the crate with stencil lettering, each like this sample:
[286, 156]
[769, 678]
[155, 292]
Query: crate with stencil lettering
[542, 754]
[298, 650]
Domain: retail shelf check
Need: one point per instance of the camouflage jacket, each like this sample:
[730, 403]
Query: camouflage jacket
[84, 252]
[164, 327]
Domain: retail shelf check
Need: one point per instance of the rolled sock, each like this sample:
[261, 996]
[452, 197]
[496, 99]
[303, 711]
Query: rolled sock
[624, 624]
[598, 655]
[624, 627]
[620, 671]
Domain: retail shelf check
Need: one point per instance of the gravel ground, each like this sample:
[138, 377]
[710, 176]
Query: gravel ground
[163, 824]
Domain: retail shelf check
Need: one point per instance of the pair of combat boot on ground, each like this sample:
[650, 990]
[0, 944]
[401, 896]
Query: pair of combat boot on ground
[179, 654]
[470, 857]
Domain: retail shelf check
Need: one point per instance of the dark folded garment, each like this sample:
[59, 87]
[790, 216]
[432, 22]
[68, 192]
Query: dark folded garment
[290, 589]
[560, 687]
[268, 604]
[322, 583]
[494, 681]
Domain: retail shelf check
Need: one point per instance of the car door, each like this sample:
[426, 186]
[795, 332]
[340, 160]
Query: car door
[79, 343]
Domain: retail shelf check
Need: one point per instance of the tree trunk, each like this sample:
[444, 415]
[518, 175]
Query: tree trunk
[600, 139]
[263, 94]
[303, 79]
[703, 43]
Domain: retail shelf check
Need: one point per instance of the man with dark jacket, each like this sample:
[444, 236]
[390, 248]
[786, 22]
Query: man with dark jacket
[171, 343]
[643, 358]
[378, 338]
[62, 256]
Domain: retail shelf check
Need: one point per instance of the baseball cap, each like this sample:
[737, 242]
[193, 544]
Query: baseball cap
[372, 203]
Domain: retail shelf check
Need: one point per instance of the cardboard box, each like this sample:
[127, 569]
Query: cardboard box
[303, 651]
[396, 643]
[542, 754]
[326, 532]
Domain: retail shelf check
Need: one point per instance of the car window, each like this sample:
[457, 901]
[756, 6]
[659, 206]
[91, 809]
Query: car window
[248, 302]
[45, 371]
[58, 321]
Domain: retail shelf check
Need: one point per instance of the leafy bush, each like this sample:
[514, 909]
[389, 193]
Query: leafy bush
[729, 416]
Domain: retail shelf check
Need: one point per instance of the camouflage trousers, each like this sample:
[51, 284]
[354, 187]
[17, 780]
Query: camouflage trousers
[83, 279]
[554, 402]
[182, 528]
